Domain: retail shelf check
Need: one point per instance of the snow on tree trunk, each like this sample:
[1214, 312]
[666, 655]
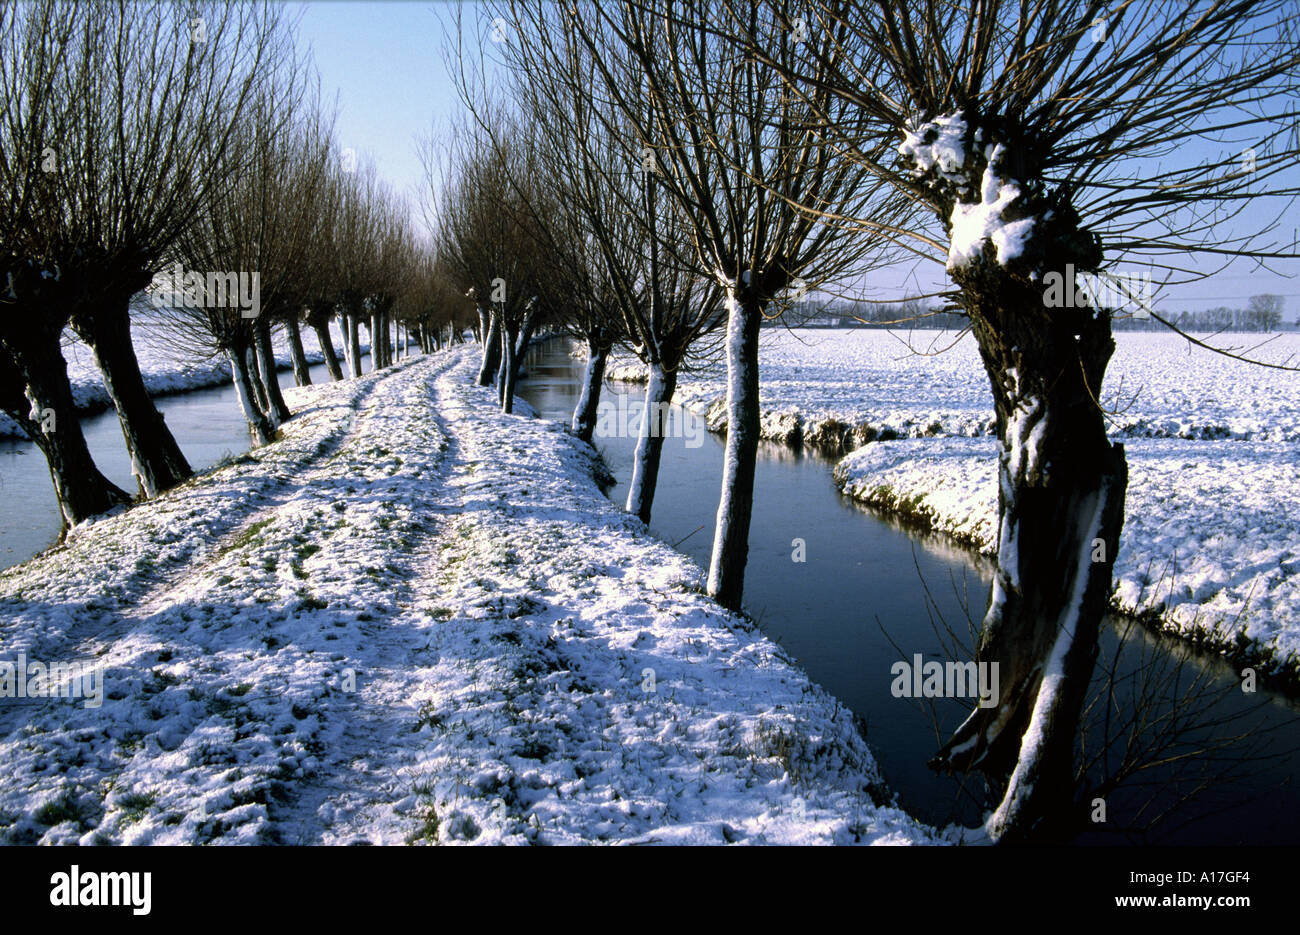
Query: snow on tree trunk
[1061, 483]
[650, 440]
[509, 368]
[156, 459]
[593, 379]
[259, 426]
[327, 348]
[301, 373]
[731, 535]
[525, 337]
[1061, 494]
[278, 410]
[491, 349]
[345, 331]
[518, 342]
[376, 343]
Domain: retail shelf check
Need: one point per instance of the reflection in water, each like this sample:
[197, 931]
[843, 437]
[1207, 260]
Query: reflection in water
[873, 591]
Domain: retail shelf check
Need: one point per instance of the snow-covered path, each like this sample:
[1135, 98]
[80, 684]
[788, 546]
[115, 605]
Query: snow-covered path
[413, 618]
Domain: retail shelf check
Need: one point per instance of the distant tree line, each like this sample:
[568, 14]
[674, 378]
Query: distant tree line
[1263, 313]
[911, 313]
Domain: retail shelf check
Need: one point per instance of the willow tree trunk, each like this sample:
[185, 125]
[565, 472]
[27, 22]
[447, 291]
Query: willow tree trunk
[1061, 493]
[346, 336]
[259, 426]
[354, 343]
[156, 459]
[736, 505]
[525, 338]
[301, 372]
[509, 367]
[38, 371]
[255, 377]
[376, 343]
[518, 340]
[278, 410]
[326, 342]
[491, 350]
[655, 416]
[593, 380]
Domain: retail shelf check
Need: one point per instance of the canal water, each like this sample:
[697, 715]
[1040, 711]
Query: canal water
[871, 592]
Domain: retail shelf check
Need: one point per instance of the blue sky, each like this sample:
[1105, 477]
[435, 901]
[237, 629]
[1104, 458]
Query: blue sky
[385, 61]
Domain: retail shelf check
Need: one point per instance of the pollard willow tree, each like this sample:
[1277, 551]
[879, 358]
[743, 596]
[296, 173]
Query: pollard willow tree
[35, 297]
[1045, 140]
[260, 225]
[735, 153]
[146, 94]
[617, 233]
[426, 302]
[488, 242]
[577, 272]
[395, 258]
[358, 229]
[326, 283]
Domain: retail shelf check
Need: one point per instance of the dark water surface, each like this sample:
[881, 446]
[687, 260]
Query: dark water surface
[872, 592]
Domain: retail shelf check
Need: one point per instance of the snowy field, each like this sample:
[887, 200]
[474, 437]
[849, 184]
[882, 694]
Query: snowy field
[1212, 533]
[865, 383]
[166, 367]
[413, 619]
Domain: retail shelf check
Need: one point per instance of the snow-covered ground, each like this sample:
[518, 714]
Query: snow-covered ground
[1211, 538]
[864, 383]
[413, 618]
[166, 367]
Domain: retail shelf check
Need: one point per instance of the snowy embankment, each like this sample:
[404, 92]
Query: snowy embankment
[1211, 540]
[413, 618]
[166, 368]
